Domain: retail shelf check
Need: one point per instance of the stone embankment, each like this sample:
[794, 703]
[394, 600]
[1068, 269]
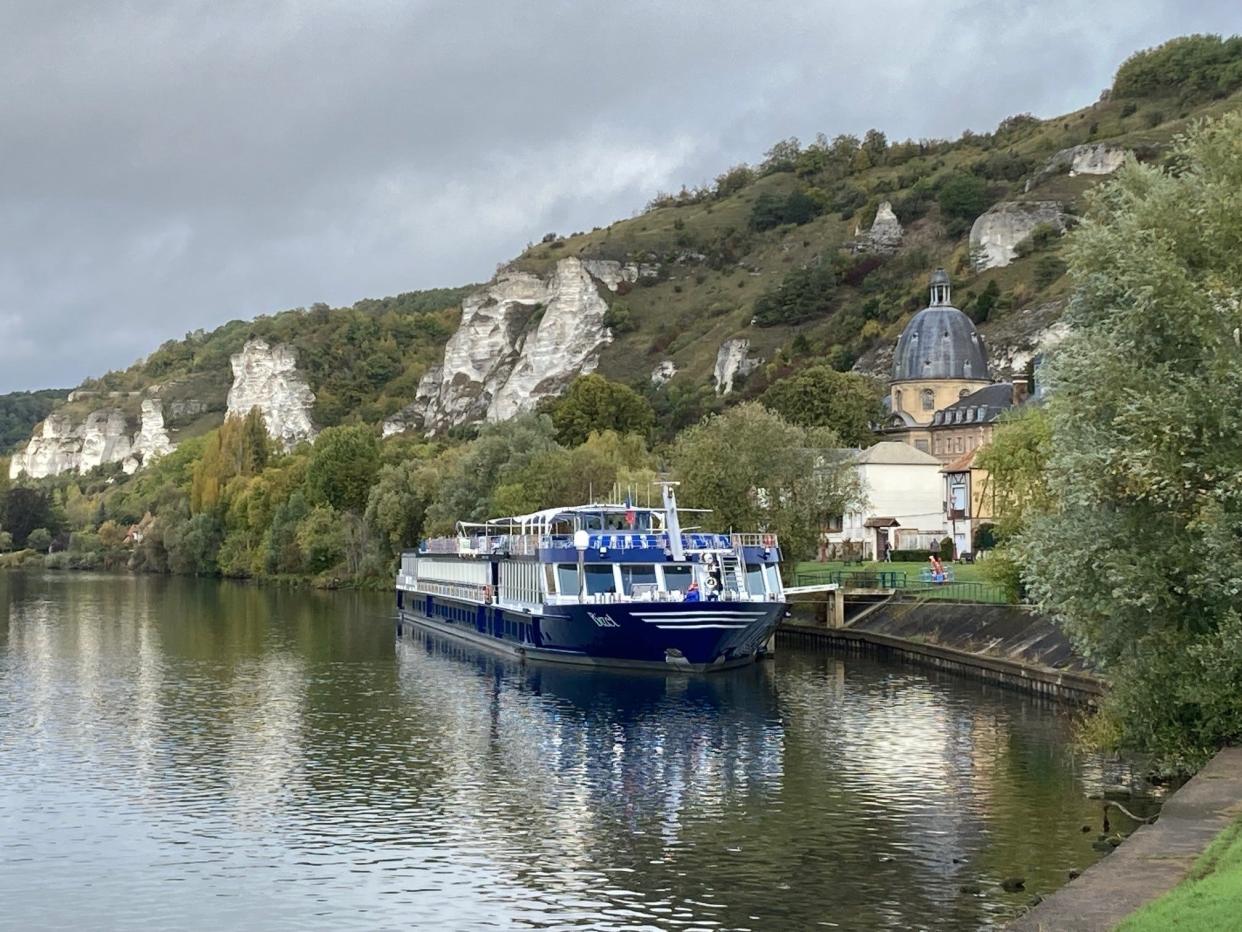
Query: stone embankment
[1005, 644]
[1150, 862]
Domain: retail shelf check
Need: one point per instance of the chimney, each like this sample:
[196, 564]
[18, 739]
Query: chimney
[1020, 390]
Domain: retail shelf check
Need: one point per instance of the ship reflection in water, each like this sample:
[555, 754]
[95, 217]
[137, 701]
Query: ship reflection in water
[197, 755]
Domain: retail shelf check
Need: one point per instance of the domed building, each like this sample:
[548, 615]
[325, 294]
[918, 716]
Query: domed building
[938, 367]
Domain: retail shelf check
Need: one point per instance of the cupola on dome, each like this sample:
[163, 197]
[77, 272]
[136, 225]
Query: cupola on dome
[940, 342]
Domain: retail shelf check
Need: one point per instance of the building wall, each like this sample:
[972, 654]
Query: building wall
[949, 443]
[913, 493]
[907, 396]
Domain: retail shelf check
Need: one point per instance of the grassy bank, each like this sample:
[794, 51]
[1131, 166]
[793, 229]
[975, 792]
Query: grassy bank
[1209, 899]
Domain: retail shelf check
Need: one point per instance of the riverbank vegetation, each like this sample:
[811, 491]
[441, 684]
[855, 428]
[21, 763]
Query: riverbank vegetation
[337, 513]
[1129, 530]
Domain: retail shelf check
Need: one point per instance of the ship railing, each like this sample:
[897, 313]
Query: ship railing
[754, 540]
[528, 545]
[468, 591]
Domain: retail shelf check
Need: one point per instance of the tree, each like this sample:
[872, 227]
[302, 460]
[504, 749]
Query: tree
[593, 403]
[26, 509]
[467, 475]
[1141, 557]
[321, 537]
[39, 539]
[802, 294]
[240, 447]
[819, 396]
[397, 504]
[962, 197]
[757, 472]
[343, 466]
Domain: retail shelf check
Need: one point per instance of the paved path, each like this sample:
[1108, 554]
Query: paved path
[1151, 861]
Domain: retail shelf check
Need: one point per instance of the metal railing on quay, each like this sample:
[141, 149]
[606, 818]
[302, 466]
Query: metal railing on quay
[905, 588]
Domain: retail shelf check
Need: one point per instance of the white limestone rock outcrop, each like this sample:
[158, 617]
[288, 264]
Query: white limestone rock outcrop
[60, 446]
[661, 374]
[266, 377]
[152, 440]
[885, 233]
[995, 235]
[1100, 158]
[522, 338]
[733, 360]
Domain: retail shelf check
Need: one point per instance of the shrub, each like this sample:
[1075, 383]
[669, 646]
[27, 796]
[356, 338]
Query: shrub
[802, 294]
[734, 180]
[909, 556]
[946, 548]
[1047, 270]
[771, 210]
[39, 539]
[984, 537]
[618, 318]
[962, 198]
[1190, 67]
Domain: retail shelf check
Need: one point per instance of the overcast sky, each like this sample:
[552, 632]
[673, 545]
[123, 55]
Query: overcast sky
[168, 164]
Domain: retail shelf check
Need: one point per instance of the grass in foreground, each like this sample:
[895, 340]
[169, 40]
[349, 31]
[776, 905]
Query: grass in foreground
[1209, 899]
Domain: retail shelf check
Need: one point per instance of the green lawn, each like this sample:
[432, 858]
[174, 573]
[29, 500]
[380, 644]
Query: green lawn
[962, 572]
[1210, 899]
[977, 588]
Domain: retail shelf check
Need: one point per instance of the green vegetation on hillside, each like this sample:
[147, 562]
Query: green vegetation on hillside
[362, 362]
[763, 252]
[21, 411]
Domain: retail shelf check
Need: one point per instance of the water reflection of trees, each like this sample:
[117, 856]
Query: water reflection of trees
[843, 790]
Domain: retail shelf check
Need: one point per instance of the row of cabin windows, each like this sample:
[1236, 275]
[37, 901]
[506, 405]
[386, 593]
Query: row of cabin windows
[604, 578]
[511, 629]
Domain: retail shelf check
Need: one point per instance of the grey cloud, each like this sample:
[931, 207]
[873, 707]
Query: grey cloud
[166, 166]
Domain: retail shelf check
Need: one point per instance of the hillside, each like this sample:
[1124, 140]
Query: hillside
[710, 295]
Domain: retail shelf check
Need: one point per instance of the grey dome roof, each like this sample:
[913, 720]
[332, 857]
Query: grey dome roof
[940, 342]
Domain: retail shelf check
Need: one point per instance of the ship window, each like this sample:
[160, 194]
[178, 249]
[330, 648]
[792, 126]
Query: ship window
[754, 578]
[640, 573]
[773, 574]
[677, 577]
[566, 579]
[600, 579]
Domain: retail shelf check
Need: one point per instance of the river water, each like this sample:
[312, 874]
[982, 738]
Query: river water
[203, 755]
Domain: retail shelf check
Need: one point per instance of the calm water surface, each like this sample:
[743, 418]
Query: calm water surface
[201, 755]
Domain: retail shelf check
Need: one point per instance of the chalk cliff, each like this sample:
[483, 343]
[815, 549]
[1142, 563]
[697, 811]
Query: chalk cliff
[266, 377]
[522, 338]
[60, 446]
[995, 234]
[733, 360]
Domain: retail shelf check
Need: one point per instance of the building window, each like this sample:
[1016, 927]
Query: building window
[897, 400]
[963, 393]
[929, 400]
[920, 445]
[959, 444]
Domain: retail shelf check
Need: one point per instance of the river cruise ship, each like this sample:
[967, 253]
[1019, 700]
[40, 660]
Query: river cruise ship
[602, 584]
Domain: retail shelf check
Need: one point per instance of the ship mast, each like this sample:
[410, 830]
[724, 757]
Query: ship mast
[671, 525]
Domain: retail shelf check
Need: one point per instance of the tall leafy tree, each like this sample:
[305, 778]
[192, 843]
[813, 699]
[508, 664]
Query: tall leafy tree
[819, 396]
[593, 403]
[343, 466]
[1141, 557]
[757, 472]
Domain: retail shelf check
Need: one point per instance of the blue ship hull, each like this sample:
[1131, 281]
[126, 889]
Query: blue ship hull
[694, 636]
